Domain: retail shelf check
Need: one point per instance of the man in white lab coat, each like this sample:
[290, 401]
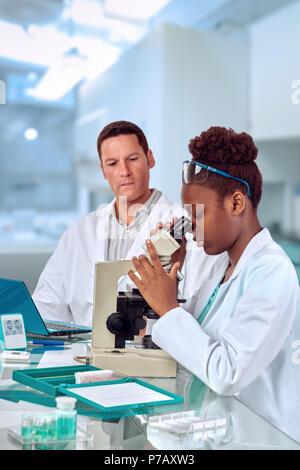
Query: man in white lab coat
[117, 231]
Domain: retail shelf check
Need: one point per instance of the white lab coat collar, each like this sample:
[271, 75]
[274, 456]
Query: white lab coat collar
[256, 243]
[219, 267]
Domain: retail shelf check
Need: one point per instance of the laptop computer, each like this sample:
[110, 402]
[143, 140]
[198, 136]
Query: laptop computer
[15, 298]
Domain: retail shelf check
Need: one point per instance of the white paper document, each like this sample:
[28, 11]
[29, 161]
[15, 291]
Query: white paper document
[120, 394]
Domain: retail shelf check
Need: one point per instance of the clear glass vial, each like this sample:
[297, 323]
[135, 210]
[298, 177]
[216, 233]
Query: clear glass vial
[27, 430]
[66, 418]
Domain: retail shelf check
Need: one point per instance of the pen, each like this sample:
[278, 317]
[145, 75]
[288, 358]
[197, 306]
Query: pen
[43, 349]
[46, 343]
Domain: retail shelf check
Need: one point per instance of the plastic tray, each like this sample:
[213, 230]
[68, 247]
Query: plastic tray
[83, 441]
[188, 422]
[48, 379]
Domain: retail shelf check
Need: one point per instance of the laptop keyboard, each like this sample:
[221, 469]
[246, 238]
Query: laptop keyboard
[56, 326]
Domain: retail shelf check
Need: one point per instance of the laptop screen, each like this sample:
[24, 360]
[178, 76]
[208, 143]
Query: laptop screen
[15, 298]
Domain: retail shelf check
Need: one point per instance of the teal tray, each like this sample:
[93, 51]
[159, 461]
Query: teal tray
[48, 379]
[168, 397]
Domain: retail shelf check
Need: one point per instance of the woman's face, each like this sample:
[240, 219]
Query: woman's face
[213, 225]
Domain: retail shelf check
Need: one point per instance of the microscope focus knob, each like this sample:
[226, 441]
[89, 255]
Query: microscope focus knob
[117, 323]
[140, 323]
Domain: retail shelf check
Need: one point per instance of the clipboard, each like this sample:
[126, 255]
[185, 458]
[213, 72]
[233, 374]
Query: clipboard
[131, 392]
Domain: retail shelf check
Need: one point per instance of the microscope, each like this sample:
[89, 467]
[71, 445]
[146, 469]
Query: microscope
[118, 317]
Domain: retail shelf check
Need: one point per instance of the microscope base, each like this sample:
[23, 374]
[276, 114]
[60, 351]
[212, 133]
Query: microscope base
[135, 362]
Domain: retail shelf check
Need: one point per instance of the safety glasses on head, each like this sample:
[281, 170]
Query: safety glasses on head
[198, 172]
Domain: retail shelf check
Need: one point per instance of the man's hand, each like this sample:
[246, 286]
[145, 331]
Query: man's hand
[156, 286]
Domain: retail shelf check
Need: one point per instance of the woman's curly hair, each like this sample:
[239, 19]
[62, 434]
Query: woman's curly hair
[234, 153]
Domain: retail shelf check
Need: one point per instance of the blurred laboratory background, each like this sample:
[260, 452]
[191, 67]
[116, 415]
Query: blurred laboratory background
[174, 67]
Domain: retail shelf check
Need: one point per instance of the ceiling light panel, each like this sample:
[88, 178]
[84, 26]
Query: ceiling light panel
[90, 13]
[100, 55]
[135, 10]
[86, 12]
[40, 47]
[57, 81]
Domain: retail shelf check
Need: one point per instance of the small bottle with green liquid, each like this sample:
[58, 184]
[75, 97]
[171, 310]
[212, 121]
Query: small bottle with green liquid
[66, 418]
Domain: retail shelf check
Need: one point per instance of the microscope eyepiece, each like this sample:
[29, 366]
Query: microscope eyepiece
[180, 228]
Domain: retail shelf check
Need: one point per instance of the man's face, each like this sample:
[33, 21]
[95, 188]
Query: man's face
[126, 167]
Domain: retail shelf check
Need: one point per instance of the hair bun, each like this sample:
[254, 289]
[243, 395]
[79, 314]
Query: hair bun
[225, 146]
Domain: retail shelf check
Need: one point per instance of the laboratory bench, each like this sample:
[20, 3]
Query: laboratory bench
[226, 423]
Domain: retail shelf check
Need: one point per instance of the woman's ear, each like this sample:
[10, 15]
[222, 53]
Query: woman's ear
[236, 203]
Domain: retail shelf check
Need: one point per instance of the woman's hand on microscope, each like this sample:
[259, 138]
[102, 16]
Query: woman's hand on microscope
[179, 255]
[158, 288]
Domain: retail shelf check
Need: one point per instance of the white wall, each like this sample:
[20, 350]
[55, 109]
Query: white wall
[275, 120]
[275, 65]
[205, 84]
[279, 162]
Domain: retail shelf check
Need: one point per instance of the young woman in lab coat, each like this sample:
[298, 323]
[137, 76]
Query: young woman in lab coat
[235, 334]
